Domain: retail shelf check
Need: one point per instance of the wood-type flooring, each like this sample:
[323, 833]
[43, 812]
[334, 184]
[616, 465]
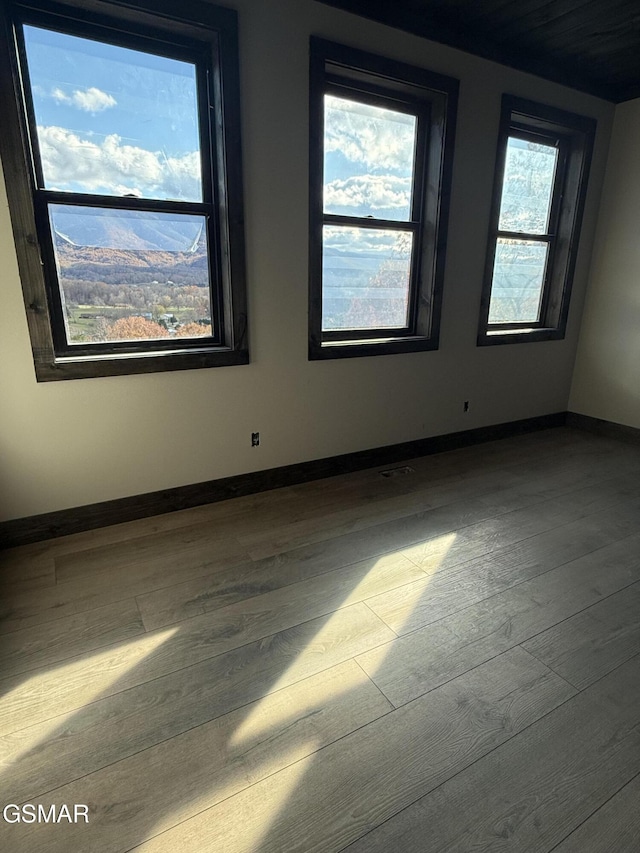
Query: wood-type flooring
[442, 661]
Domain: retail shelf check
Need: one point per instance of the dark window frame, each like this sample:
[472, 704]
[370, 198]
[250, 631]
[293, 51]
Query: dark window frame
[432, 98]
[573, 136]
[204, 35]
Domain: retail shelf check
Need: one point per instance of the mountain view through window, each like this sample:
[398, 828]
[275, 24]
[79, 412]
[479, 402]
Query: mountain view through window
[120, 123]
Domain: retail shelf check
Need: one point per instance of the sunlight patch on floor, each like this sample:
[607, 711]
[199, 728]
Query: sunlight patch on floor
[66, 688]
[255, 721]
[278, 731]
[431, 554]
[277, 716]
[239, 824]
[301, 701]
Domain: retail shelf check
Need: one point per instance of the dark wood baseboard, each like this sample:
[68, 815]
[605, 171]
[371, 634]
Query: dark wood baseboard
[36, 528]
[610, 429]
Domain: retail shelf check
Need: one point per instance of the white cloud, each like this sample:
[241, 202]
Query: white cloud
[353, 240]
[90, 100]
[110, 167]
[369, 193]
[366, 134]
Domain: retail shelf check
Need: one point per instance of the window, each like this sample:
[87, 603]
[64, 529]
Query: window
[541, 179]
[122, 160]
[381, 142]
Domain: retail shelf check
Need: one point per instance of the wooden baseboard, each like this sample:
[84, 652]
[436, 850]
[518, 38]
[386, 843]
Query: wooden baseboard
[50, 525]
[610, 429]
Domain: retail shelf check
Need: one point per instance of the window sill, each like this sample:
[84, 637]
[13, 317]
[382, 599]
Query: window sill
[362, 347]
[89, 367]
[518, 336]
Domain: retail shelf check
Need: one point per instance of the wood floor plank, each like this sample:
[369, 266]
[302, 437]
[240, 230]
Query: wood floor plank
[614, 826]
[514, 527]
[505, 491]
[202, 595]
[110, 534]
[25, 568]
[104, 575]
[189, 545]
[164, 606]
[210, 763]
[589, 645]
[428, 657]
[169, 649]
[444, 549]
[368, 512]
[511, 525]
[115, 533]
[535, 789]
[135, 572]
[451, 585]
[243, 513]
[24, 610]
[53, 642]
[560, 448]
[88, 737]
[438, 479]
[455, 514]
[510, 453]
[324, 802]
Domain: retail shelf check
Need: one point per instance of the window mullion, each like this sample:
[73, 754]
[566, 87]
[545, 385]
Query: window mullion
[123, 202]
[369, 222]
[524, 236]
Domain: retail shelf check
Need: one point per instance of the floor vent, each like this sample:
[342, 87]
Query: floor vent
[397, 472]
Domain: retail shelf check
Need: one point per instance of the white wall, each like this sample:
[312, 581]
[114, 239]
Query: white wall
[606, 382]
[65, 444]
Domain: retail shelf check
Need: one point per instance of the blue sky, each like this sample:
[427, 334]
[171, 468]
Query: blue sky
[117, 121]
[113, 120]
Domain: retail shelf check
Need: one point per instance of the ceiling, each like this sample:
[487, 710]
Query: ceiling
[591, 45]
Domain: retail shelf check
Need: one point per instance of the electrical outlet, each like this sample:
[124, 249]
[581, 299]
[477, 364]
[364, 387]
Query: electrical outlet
[255, 439]
[465, 406]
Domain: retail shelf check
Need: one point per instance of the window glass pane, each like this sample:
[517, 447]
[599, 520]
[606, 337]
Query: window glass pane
[527, 186]
[131, 275]
[113, 121]
[366, 275]
[368, 160]
[518, 275]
